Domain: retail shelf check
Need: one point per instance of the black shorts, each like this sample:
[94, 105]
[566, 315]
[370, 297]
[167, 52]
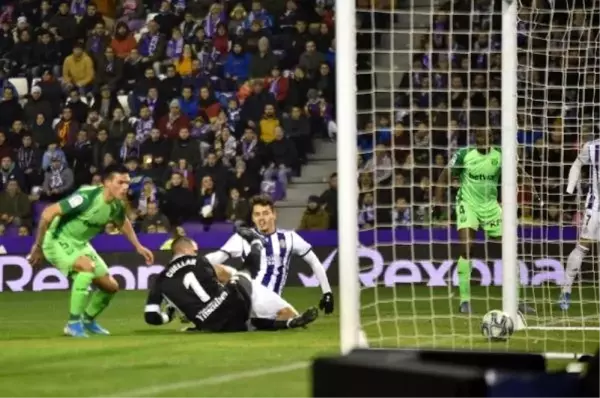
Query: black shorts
[233, 314]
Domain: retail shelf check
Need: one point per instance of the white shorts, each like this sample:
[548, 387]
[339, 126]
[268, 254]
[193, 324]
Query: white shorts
[265, 302]
[590, 225]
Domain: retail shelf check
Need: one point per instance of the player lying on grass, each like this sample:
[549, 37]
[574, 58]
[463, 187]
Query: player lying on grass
[63, 238]
[279, 247]
[190, 285]
[479, 170]
[589, 155]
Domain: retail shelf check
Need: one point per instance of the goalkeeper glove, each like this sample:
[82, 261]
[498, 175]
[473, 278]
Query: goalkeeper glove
[326, 303]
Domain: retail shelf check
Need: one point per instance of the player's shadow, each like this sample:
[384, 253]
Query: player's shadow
[155, 332]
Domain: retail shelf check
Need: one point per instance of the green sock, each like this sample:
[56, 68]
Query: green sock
[98, 303]
[79, 294]
[464, 279]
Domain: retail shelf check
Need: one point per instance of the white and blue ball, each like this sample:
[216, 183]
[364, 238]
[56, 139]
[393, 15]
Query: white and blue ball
[497, 325]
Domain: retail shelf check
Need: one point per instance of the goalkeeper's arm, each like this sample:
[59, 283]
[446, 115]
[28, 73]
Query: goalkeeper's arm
[153, 314]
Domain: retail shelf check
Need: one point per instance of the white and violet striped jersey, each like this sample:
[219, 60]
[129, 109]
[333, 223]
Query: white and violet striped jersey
[277, 253]
[590, 155]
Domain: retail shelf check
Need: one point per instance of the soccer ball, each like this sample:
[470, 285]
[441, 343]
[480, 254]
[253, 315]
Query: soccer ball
[497, 325]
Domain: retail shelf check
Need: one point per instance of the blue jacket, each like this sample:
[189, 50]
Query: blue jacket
[189, 107]
[238, 65]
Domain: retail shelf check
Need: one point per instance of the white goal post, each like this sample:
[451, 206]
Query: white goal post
[398, 306]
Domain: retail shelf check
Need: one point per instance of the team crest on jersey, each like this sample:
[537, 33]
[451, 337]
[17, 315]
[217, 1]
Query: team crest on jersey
[494, 162]
[75, 201]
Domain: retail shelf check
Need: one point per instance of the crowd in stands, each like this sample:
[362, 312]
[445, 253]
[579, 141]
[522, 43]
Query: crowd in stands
[205, 102]
[453, 85]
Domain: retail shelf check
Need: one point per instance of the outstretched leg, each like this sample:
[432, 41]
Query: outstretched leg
[574, 261]
[302, 320]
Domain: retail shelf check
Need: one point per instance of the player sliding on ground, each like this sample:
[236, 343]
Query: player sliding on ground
[589, 155]
[279, 247]
[479, 170]
[63, 238]
[189, 284]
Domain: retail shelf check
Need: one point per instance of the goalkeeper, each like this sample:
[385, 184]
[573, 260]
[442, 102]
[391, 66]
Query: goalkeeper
[479, 170]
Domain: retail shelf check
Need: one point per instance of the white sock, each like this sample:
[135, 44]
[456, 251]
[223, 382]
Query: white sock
[573, 266]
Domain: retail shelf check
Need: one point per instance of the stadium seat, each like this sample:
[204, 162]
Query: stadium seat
[124, 104]
[21, 85]
[151, 16]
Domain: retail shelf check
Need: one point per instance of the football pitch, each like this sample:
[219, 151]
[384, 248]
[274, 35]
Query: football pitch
[140, 360]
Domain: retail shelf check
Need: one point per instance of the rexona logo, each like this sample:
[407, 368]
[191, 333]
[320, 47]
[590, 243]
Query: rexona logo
[133, 278]
[437, 274]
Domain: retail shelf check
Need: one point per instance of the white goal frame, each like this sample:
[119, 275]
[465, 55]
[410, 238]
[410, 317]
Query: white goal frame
[351, 335]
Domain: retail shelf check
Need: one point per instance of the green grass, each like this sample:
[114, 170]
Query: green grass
[36, 360]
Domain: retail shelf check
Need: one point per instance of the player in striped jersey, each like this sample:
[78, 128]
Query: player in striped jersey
[279, 247]
[589, 155]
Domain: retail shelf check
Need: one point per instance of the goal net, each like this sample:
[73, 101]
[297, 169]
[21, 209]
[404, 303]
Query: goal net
[425, 70]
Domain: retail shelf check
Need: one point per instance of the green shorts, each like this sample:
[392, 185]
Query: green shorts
[63, 252]
[487, 217]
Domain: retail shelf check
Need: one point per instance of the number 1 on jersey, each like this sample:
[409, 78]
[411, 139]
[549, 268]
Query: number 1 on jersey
[191, 282]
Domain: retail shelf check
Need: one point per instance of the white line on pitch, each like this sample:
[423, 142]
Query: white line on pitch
[226, 378]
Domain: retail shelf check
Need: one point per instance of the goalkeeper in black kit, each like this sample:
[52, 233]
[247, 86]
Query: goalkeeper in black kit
[189, 285]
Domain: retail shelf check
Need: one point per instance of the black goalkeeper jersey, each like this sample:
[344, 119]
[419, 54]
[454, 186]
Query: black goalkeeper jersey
[190, 284]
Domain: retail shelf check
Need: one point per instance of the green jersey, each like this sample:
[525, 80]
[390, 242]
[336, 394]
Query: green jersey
[85, 215]
[479, 175]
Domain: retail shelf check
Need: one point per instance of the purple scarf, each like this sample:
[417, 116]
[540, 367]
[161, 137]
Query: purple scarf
[149, 44]
[198, 132]
[274, 88]
[130, 151]
[248, 148]
[175, 48]
[262, 16]
[78, 7]
[210, 24]
[143, 128]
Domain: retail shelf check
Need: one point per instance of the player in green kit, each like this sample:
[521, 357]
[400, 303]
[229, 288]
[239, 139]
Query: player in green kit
[63, 238]
[479, 170]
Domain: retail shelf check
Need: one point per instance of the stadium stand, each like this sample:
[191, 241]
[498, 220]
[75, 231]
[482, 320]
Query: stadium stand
[205, 102]
[447, 77]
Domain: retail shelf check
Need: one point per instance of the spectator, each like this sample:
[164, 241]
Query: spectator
[238, 210]
[237, 64]
[184, 147]
[170, 124]
[179, 202]
[35, 105]
[123, 42]
[268, 124]
[152, 45]
[15, 207]
[131, 13]
[227, 145]
[208, 104]
[329, 201]
[263, 62]
[109, 70]
[366, 211]
[214, 17]
[260, 15]
[10, 109]
[208, 202]
[221, 39]
[5, 149]
[156, 147]
[282, 155]
[401, 214]
[66, 129]
[297, 129]
[236, 20]
[244, 181]
[100, 148]
[78, 70]
[153, 217]
[47, 55]
[64, 27]
[218, 173]
[97, 42]
[29, 160]
[188, 103]
[23, 55]
[298, 91]
[81, 158]
[118, 127]
[52, 90]
[130, 148]
[58, 180]
[314, 217]
[79, 109]
[105, 104]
